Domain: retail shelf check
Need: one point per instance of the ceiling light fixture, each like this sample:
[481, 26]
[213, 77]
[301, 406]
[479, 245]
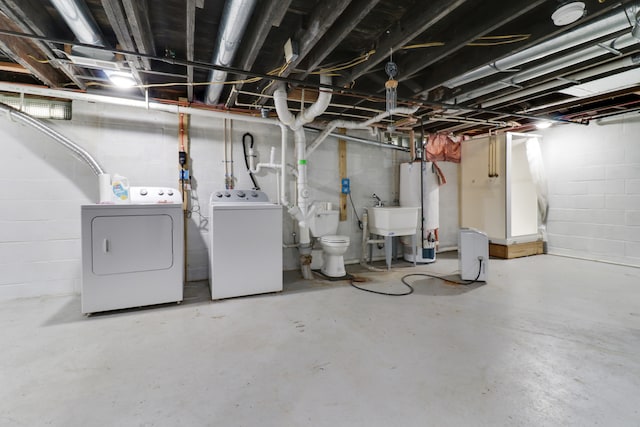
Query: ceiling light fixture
[568, 13]
[543, 125]
[121, 79]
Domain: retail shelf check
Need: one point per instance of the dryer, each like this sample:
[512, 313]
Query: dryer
[132, 254]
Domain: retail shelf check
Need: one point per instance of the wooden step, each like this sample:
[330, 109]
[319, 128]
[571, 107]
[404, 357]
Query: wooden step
[515, 250]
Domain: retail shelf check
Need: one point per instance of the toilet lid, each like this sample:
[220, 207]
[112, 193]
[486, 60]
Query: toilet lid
[335, 239]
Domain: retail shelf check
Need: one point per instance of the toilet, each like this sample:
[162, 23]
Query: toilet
[324, 226]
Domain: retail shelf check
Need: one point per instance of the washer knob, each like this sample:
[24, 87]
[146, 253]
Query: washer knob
[160, 192]
[254, 194]
[143, 191]
[170, 192]
[241, 194]
[227, 194]
[218, 194]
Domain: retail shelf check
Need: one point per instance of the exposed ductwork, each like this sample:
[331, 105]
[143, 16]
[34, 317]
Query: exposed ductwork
[84, 27]
[582, 75]
[233, 23]
[615, 21]
[547, 68]
[77, 151]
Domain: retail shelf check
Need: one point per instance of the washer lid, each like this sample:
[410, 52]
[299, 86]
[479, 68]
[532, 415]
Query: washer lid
[334, 239]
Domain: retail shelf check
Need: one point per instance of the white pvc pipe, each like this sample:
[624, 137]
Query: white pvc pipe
[301, 212]
[356, 125]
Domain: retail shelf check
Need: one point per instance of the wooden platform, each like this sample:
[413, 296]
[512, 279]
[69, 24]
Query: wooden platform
[516, 250]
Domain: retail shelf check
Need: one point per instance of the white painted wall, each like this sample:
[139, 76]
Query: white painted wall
[42, 186]
[449, 210]
[594, 185]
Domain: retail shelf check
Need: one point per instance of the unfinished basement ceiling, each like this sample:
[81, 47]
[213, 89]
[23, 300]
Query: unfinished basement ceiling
[470, 66]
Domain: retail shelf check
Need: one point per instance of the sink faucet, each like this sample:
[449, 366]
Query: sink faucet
[379, 203]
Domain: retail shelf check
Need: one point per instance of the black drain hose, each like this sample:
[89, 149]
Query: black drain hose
[246, 159]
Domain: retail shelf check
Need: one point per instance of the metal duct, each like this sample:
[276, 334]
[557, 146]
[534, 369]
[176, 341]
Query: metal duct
[78, 151]
[611, 23]
[547, 68]
[592, 72]
[235, 18]
[83, 26]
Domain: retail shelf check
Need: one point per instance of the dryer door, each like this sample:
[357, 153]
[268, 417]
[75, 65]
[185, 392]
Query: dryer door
[131, 243]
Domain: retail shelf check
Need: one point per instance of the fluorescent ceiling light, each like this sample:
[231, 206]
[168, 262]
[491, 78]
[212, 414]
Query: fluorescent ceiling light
[543, 125]
[121, 79]
[606, 84]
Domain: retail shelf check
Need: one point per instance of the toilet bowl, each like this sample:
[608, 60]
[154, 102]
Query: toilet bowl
[333, 249]
[324, 226]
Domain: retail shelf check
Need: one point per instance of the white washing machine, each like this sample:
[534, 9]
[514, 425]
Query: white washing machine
[132, 254]
[245, 244]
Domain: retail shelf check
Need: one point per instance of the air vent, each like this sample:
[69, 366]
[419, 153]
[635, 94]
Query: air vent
[41, 108]
[83, 61]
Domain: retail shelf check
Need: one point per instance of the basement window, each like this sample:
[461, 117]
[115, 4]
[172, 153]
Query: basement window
[38, 107]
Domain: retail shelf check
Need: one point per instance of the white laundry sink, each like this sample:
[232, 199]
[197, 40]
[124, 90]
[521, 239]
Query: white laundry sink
[393, 221]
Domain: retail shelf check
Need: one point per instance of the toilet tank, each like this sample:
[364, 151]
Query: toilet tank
[324, 222]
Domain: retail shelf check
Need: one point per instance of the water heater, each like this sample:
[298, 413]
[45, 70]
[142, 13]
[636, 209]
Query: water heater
[473, 255]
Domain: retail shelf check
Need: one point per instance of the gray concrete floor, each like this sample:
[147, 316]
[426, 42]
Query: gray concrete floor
[547, 341]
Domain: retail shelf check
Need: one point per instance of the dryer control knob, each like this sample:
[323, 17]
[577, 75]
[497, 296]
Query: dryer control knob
[254, 194]
[143, 191]
[170, 192]
[160, 192]
[218, 194]
[241, 194]
[227, 194]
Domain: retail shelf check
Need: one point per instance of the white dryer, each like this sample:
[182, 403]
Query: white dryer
[132, 254]
[245, 244]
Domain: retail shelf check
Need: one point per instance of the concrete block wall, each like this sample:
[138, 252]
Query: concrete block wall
[42, 186]
[594, 176]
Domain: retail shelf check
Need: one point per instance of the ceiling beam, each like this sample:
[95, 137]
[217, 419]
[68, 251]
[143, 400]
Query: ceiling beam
[13, 68]
[486, 19]
[29, 18]
[349, 20]
[191, 34]
[323, 16]
[462, 62]
[25, 53]
[416, 23]
[118, 21]
[269, 14]
[137, 15]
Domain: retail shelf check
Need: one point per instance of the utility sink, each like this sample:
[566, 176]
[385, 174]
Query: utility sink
[393, 221]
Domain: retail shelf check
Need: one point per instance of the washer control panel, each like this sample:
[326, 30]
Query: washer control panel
[239, 196]
[151, 195]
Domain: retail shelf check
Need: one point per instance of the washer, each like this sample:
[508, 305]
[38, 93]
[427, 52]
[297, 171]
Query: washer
[132, 254]
[245, 244]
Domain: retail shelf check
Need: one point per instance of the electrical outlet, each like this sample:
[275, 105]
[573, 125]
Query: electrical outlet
[346, 186]
[291, 50]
